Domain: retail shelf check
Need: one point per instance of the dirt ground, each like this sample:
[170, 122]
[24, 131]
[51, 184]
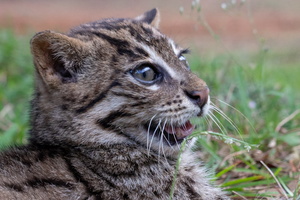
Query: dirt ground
[240, 26]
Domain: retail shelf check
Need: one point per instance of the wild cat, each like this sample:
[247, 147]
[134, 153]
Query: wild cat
[113, 101]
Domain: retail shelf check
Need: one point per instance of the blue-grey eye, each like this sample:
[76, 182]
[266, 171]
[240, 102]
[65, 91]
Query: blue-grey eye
[145, 73]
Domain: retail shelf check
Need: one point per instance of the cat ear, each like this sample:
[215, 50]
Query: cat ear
[151, 17]
[57, 57]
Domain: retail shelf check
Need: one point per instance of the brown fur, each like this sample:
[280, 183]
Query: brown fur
[91, 120]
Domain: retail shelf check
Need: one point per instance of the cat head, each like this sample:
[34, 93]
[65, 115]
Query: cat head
[115, 81]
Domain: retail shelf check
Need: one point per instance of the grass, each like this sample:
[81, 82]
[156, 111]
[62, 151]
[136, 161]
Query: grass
[264, 108]
[16, 85]
[260, 89]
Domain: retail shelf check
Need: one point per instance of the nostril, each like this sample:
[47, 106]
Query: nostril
[193, 96]
[199, 97]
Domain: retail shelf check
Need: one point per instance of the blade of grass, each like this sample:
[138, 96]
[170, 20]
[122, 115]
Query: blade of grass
[224, 171]
[264, 182]
[242, 180]
[272, 174]
[182, 147]
[285, 187]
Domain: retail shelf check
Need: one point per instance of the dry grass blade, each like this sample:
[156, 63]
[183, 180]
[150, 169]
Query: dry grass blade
[278, 183]
[232, 155]
[236, 193]
[287, 119]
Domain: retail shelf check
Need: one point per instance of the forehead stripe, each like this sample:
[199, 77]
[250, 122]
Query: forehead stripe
[123, 47]
[176, 51]
[156, 58]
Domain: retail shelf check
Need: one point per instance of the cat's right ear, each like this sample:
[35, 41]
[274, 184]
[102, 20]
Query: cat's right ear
[57, 57]
[151, 17]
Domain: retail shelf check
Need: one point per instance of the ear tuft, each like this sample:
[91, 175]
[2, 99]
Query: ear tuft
[151, 17]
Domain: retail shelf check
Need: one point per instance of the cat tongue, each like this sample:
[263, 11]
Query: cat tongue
[180, 131]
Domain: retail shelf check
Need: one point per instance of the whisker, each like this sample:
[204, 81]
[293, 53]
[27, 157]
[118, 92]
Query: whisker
[184, 126]
[216, 109]
[168, 137]
[161, 137]
[173, 132]
[238, 112]
[178, 146]
[209, 126]
[148, 134]
[154, 135]
[215, 120]
[163, 142]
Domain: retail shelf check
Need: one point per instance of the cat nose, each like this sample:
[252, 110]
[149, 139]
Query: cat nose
[199, 97]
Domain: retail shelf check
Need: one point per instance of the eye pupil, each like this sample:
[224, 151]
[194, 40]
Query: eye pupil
[145, 74]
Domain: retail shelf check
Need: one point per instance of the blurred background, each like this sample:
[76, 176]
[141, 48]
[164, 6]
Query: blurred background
[248, 51]
[238, 23]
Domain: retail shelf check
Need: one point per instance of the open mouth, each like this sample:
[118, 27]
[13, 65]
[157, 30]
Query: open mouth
[172, 134]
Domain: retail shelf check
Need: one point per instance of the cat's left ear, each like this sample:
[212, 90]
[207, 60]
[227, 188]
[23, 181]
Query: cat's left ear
[58, 58]
[151, 17]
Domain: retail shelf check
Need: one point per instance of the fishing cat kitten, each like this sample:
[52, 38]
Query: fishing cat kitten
[113, 100]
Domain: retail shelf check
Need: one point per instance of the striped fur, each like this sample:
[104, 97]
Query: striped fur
[97, 130]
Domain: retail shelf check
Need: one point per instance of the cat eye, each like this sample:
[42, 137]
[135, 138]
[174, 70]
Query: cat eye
[184, 61]
[146, 73]
[182, 58]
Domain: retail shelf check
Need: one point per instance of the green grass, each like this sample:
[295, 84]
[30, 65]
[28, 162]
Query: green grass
[261, 92]
[260, 86]
[16, 85]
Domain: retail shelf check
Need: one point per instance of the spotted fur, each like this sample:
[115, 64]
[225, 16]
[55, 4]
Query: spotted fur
[98, 125]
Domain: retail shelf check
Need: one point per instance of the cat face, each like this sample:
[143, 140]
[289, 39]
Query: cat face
[118, 80]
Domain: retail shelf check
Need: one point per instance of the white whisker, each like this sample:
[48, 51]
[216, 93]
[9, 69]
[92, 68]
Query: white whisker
[154, 135]
[184, 126]
[209, 127]
[162, 133]
[178, 146]
[238, 112]
[216, 109]
[148, 134]
[161, 137]
[215, 120]
[167, 139]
